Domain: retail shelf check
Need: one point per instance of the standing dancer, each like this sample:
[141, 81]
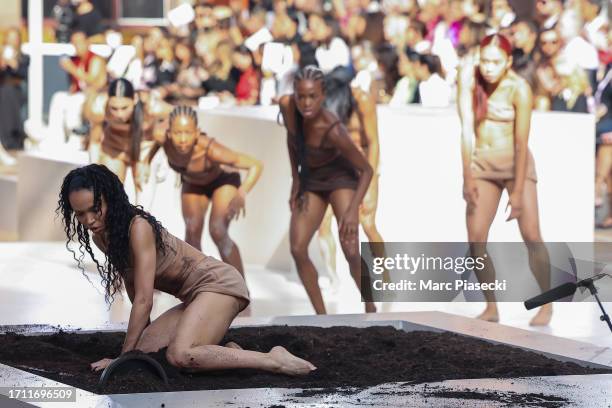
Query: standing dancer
[126, 125]
[495, 107]
[327, 168]
[357, 110]
[198, 159]
[142, 255]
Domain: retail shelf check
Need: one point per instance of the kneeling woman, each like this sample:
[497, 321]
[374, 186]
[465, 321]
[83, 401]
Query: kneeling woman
[198, 159]
[141, 254]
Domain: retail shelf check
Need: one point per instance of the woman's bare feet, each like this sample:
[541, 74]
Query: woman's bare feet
[542, 318]
[288, 363]
[490, 314]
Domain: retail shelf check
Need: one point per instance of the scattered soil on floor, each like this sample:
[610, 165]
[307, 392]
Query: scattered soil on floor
[345, 357]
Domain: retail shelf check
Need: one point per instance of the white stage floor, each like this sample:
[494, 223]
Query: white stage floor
[29, 270]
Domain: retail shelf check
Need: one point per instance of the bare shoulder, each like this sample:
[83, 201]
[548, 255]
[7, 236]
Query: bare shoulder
[140, 231]
[285, 103]
[336, 131]
[521, 87]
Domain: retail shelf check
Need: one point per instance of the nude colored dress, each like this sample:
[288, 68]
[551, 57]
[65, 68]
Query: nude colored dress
[184, 272]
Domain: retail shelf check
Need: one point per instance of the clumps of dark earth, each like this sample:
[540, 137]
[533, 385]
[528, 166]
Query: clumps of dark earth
[344, 356]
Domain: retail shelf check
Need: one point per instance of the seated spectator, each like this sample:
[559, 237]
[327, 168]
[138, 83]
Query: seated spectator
[387, 75]
[415, 37]
[434, 91]
[223, 76]
[87, 73]
[190, 74]
[247, 88]
[405, 91]
[13, 71]
[166, 67]
[561, 84]
[331, 50]
[524, 39]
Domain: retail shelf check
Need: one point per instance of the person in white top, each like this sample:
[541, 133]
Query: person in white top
[435, 92]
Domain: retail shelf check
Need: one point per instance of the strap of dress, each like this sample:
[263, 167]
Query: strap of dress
[333, 125]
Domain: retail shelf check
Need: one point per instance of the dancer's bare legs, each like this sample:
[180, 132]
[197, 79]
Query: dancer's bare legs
[479, 219]
[304, 223]
[192, 334]
[539, 261]
[340, 201]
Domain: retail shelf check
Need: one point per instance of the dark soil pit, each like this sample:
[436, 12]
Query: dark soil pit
[345, 357]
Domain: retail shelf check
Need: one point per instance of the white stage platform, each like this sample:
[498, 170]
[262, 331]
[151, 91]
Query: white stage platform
[420, 183]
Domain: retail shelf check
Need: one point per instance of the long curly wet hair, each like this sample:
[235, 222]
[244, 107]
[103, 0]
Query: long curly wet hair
[104, 184]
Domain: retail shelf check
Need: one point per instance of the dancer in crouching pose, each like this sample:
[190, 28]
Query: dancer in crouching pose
[198, 159]
[327, 168]
[357, 111]
[122, 134]
[143, 256]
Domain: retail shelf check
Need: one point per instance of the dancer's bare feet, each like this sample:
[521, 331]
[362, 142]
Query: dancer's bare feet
[542, 318]
[490, 314]
[288, 363]
[370, 307]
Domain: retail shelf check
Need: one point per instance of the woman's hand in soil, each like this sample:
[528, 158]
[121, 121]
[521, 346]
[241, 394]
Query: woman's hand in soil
[102, 364]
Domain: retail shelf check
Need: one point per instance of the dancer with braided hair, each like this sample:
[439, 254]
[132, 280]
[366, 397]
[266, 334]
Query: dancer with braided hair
[142, 255]
[198, 159]
[357, 110]
[327, 168]
[122, 129]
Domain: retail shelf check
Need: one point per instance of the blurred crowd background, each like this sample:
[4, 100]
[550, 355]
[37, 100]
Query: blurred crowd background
[245, 52]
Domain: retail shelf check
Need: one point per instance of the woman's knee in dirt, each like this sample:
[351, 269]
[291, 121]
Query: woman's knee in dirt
[181, 357]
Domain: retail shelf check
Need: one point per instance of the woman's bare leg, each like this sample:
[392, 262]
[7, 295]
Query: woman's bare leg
[195, 349]
[304, 223]
[479, 220]
[219, 227]
[328, 246]
[340, 201]
[194, 207]
[539, 261]
[367, 218]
